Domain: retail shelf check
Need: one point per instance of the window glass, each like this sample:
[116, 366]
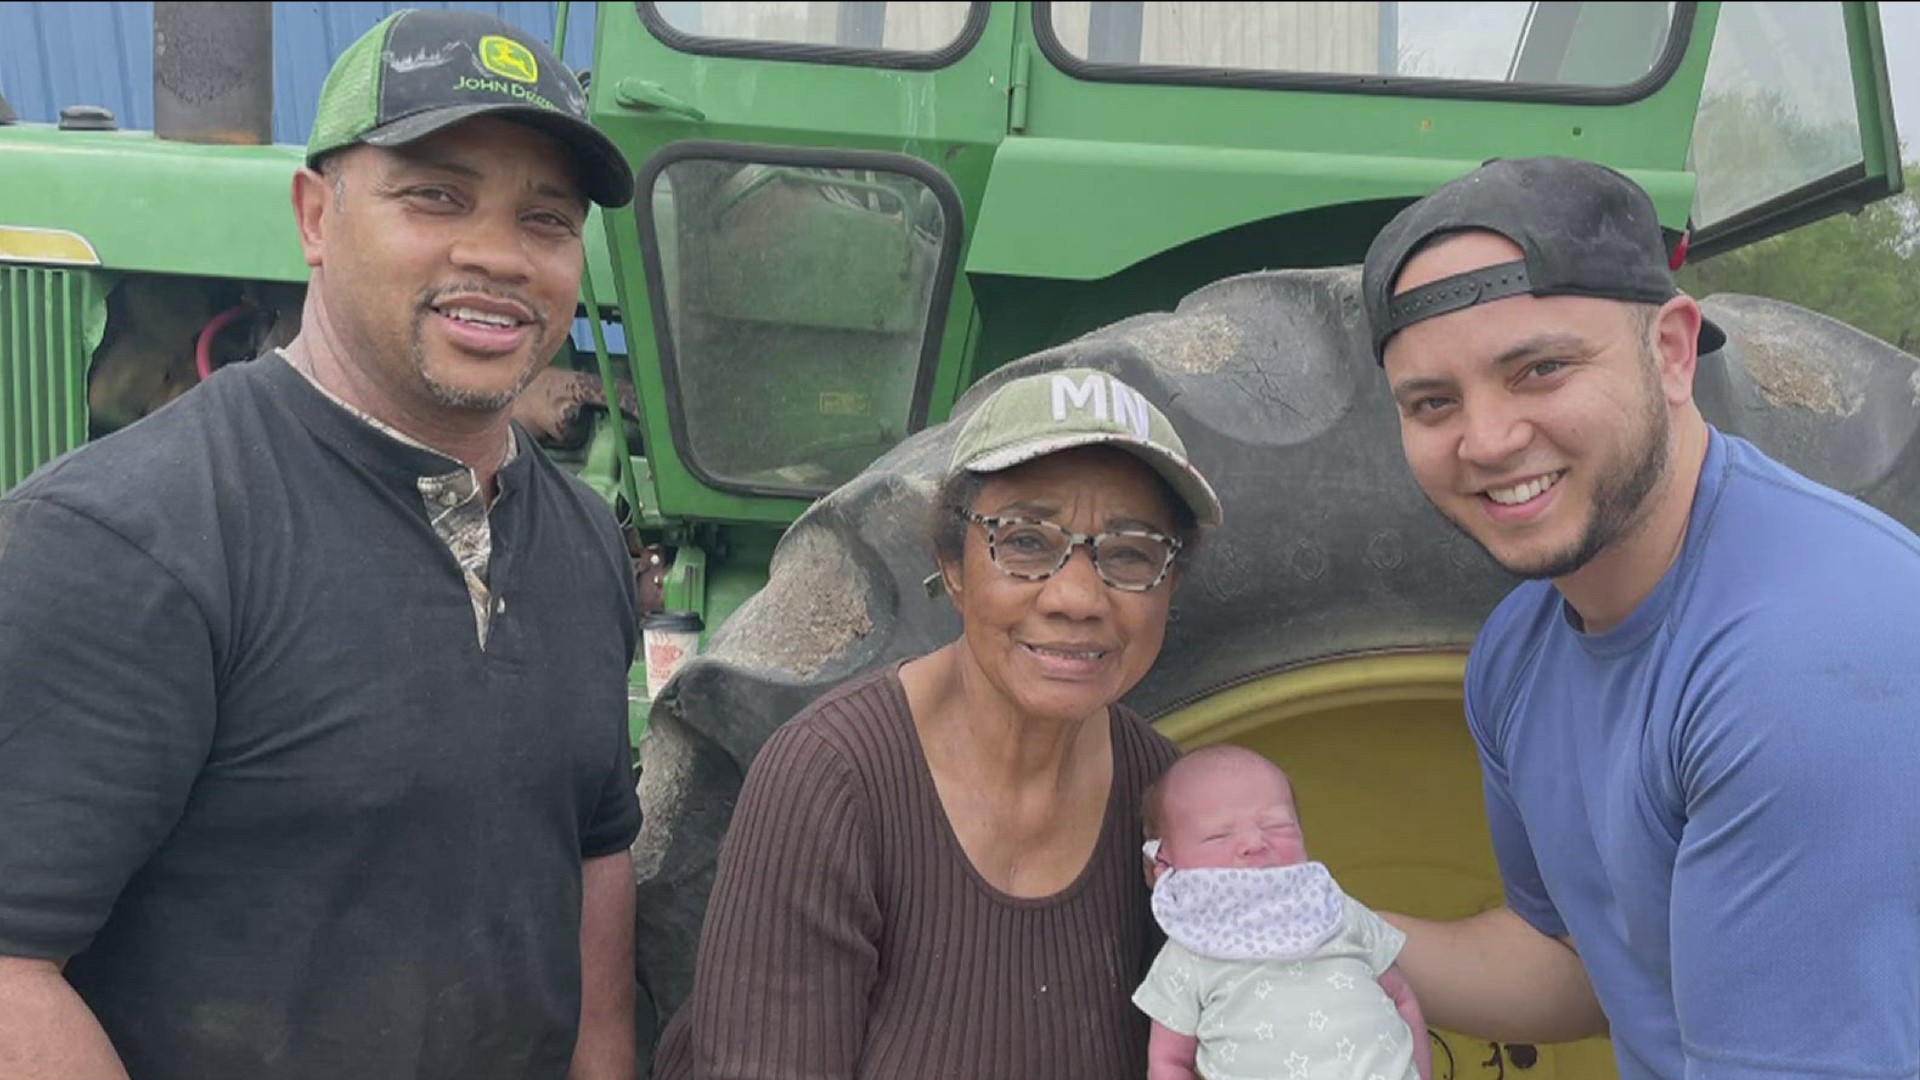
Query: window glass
[1574, 44]
[1777, 111]
[902, 27]
[799, 302]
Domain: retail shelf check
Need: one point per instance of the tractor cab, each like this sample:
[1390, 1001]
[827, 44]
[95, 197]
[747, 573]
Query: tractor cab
[850, 212]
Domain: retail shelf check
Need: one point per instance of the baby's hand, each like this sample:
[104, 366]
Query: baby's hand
[1396, 987]
[1170, 1055]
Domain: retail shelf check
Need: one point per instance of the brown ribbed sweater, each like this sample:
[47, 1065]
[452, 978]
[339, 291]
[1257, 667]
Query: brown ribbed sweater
[849, 936]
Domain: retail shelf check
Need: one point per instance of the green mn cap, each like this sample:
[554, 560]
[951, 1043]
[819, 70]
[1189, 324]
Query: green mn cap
[1043, 414]
[418, 72]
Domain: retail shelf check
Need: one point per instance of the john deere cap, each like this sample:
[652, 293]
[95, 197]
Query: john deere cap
[1044, 414]
[1583, 230]
[418, 72]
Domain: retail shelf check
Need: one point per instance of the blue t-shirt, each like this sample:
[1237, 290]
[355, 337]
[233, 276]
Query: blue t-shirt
[1719, 799]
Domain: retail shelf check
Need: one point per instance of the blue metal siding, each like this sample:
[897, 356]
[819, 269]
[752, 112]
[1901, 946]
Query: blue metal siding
[57, 54]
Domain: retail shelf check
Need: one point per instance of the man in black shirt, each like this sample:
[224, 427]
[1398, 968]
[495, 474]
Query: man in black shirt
[313, 758]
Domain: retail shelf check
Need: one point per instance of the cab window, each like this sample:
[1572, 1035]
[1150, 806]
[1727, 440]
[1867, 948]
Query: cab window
[1778, 112]
[925, 28]
[1583, 45]
[799, 300]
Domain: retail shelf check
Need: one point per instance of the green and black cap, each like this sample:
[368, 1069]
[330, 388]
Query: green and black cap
[418, 72]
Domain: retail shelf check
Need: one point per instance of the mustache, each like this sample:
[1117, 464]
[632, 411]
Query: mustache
[434, 294]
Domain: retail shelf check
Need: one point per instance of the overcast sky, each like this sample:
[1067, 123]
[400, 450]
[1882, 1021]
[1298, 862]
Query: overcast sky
[1900, 25]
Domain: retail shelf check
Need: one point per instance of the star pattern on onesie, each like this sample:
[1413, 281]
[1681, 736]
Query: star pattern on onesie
[1346, 1048]
[1264, 1030]
[1297, 1065]
[1317, 1020]
[1262, 989]
[1341, 981]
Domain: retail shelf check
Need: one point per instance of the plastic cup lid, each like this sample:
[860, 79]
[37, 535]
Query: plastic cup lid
[673, 622]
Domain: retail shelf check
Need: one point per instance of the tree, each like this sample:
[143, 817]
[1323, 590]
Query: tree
[1862, 269]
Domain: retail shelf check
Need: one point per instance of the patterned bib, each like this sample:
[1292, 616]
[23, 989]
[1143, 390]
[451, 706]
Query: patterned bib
[1250, 913]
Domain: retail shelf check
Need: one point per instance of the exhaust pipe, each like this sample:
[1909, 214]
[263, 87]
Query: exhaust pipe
[213, 72]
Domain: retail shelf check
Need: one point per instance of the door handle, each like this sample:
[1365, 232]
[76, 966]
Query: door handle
[646, 96]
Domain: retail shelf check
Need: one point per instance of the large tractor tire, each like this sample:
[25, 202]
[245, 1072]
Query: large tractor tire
[1325, 624]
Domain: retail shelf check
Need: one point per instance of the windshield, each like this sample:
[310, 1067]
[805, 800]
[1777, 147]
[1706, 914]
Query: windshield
[1557, 44]
[920, 27]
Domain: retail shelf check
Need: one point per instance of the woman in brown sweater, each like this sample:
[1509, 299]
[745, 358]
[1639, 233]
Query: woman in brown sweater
[934, 871]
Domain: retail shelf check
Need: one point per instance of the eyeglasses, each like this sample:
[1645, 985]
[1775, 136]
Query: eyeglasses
[1132, 560]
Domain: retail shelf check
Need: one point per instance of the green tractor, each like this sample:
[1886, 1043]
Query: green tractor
[853, 218]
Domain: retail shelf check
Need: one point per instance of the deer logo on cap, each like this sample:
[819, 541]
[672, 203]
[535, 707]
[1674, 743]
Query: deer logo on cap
[509, 59]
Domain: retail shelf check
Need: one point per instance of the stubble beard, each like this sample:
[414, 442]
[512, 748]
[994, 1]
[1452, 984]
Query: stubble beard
[463, 398]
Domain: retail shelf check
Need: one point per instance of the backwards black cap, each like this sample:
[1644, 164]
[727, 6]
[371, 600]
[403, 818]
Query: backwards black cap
[1584, 229]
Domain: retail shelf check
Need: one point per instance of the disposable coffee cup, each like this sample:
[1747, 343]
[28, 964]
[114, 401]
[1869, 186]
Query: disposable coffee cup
[671, 638]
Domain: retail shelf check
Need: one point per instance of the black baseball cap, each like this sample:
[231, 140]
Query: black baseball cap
[418, 72]
[1585, 229]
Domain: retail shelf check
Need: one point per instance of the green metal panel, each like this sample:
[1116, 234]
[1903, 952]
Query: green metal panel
[1084, 209]
[1107, 174]
[50, 322]
[950, 117]
[148, 204]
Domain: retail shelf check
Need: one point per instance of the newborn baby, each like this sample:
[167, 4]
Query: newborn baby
[1269, 970]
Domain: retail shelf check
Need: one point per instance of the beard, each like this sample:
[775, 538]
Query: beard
[1620, 494]
[460, 397]
[464, 398]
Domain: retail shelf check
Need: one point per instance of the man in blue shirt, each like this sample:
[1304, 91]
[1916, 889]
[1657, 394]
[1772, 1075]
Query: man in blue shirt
[1699, 719]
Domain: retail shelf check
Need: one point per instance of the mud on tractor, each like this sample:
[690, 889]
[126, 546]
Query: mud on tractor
[854, 218]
